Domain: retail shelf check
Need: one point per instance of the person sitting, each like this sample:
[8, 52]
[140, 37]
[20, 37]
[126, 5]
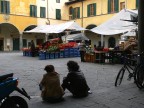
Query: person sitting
[50, 85]
[75, 81]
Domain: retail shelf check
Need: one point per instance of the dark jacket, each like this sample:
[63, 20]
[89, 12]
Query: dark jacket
[77, 83]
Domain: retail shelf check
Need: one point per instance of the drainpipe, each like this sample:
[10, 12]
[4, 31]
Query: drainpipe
[82, 15]
[48, 14]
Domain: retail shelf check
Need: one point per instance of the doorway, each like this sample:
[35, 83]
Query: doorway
[1, 45]
[16, 44]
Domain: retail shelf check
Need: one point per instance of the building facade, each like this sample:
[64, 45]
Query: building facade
[17, 16]
[92, 13]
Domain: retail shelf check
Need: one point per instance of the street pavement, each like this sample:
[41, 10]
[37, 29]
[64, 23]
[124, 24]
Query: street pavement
[100, 78]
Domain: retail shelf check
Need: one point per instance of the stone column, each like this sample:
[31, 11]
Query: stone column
[21, 41]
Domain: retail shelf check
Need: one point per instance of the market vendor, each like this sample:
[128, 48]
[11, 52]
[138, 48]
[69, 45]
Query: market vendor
[82, 49]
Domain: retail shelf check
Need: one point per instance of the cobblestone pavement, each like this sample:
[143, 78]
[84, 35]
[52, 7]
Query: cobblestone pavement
[100, 78]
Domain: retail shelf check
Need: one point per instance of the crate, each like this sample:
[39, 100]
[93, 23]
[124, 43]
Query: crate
[47, 55]
[42, 55]
[61, 54]
[57, 55]
[52, 55]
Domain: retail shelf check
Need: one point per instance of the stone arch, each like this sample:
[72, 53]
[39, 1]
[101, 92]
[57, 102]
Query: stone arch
[9, 37]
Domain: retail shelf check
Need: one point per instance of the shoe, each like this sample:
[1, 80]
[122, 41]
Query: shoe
[89, 92]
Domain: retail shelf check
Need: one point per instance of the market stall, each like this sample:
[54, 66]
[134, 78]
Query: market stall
[54, 48]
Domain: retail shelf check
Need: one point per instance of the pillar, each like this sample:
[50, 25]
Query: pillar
[21, 41]
[140, 29]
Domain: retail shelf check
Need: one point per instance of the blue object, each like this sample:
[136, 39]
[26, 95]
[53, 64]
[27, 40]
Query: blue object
[42, 55]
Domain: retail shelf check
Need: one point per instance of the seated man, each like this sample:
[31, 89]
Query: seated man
[75, 81]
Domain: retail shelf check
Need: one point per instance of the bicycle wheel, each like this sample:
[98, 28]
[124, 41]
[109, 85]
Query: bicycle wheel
[139, 77]
[119, 77]
[136, 76]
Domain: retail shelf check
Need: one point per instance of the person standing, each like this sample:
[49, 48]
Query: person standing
[32, 48]
[75, 81]
[82, 49]
[51, 90]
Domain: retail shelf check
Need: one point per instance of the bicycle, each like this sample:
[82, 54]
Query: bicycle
[127, 66]
[139, 74]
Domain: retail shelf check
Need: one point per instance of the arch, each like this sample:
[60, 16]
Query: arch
[111, 42]
[9, 37]
[91, 26]
[70, 10]
[10, 27]
[30, 27]
[87, 32]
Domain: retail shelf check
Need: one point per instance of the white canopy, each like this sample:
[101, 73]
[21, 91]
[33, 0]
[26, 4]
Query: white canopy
[57, 28]
[116, 25]
[129, 33]
[78, 36]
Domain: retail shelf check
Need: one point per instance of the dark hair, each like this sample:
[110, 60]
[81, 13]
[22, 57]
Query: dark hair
[49, 68]
[72, 66]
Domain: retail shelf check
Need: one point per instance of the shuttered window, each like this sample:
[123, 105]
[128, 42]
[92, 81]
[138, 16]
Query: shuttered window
[113, 6]
[91, 9]
[58, 14]
[5, 7]
[33, 11]
[42, 12]
[76, 13]
[137, 3]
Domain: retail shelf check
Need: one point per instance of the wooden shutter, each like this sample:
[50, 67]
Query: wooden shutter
[116, 5]
[35, 11]
[94, 9]
[30, 10]
[2, 6]
[88, 10]
[78, 12]
[109, 6]
[8, 7]
[137, 3]
[58, 14]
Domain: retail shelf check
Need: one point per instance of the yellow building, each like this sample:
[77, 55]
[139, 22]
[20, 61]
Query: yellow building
[17, 16]
[91, 13]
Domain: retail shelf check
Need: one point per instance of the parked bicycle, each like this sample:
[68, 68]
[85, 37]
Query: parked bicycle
[139, 73]
[126, 67]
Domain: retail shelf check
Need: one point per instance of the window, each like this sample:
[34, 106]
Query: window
[70, 12]
[76, 13]
[91, 9]
[33, 11]
[122, 5]
[5, 7]
[58, 14]
[42, 12]
[113, 6]
[137, 3]
[57, 1]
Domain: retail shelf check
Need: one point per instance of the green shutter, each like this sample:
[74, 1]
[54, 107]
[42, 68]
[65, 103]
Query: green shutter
[109, 6]
[116, 5]
[8, 7]
[74, 10]
[58, 14]
[2, 6]
[78, 12]
[94, 9]
[35, 11]
[88, 10]
[44, 12]
[30, 10]
[137, 3]
[72, 13]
